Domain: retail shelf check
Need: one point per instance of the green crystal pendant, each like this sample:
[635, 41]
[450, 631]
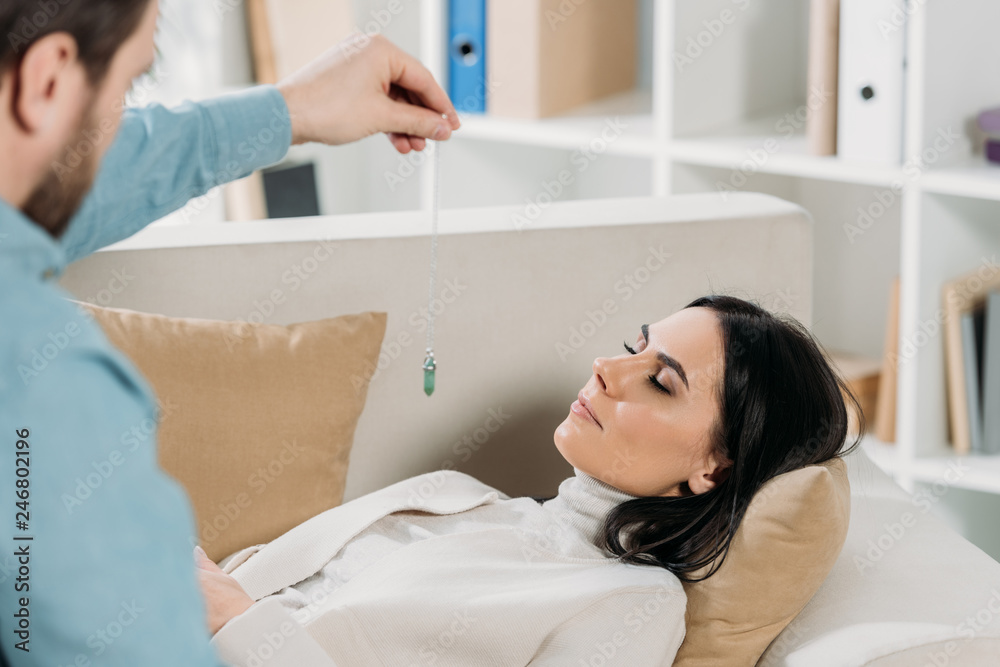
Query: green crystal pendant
[429, 368]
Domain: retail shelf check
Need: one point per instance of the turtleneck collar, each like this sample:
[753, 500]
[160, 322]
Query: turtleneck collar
[583, 503]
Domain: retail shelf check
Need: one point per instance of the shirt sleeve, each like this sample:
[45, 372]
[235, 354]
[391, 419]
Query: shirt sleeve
[163, 157]
[267, 633]
[112, 578]
[641, 627]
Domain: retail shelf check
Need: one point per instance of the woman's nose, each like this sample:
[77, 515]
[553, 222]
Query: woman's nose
[601, 372]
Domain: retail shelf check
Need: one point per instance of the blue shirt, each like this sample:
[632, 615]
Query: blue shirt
[104, 574]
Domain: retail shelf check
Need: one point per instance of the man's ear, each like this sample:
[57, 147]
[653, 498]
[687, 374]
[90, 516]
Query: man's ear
[49, 79]
[709, 477]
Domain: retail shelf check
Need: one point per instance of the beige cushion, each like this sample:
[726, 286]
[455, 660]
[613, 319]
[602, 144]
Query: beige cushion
[257, 421]
[784, 548]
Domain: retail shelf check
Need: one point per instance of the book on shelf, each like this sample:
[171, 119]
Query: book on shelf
[885, 407]
[467, 55]
[972, 345]
[964, 295]
[991, 375]
[824, 50]
[871, 84]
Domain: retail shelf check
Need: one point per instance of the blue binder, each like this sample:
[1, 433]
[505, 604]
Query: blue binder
[467, 54]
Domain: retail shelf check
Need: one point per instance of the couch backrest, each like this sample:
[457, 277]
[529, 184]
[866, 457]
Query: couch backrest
[523, 311]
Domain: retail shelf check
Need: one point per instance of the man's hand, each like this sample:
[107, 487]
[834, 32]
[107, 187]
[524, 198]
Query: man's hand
[225, 599]
[365, 85]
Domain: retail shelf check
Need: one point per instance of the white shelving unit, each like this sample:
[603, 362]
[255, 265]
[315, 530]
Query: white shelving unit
[691, 128]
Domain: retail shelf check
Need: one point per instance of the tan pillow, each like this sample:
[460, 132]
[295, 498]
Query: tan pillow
[784, 548]
[257, 421]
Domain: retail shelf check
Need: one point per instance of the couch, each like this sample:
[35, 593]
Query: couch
[524, 309]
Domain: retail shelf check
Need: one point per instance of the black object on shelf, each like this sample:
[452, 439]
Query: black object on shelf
[290, 192]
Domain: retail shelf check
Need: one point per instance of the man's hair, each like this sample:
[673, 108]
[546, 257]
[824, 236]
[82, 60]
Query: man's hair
[99, 27]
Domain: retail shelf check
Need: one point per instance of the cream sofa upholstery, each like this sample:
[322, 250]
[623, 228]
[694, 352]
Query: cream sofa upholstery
[523, 312]
[906, 590]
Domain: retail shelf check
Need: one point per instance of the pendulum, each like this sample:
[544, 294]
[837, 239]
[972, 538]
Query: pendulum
[430, 366]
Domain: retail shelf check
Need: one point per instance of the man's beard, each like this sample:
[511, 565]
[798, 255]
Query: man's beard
[54, 201]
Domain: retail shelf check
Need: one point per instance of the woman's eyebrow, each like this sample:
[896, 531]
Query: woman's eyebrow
[665, 359]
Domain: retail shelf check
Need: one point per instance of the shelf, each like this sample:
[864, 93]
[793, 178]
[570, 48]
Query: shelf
[976, 472]
[770, 144]
[577, 129]
[976, 178]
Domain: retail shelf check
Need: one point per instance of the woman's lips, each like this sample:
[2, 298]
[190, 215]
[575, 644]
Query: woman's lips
[581, 409]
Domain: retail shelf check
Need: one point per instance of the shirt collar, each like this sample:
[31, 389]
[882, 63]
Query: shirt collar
[26, 248]
[583, 503]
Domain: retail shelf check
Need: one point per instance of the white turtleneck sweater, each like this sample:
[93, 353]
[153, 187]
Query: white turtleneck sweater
[515, 540]
[568, 523]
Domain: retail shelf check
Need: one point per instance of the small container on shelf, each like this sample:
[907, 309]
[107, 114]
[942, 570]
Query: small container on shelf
[989, 123]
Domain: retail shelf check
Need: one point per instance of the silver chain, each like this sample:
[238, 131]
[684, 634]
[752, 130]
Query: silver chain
[435, 201]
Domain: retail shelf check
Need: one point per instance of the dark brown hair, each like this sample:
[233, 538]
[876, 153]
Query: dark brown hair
[99, 27]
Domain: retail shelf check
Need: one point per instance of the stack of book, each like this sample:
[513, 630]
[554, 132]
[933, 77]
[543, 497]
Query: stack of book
[972, 350]
[857, 60]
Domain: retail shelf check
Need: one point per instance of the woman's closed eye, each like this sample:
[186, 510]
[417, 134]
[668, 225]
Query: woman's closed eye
[652, 378]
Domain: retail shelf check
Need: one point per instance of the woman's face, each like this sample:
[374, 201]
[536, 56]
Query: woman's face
[643, 439]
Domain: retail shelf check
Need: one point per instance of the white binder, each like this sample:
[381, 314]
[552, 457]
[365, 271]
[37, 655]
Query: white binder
[871, 81]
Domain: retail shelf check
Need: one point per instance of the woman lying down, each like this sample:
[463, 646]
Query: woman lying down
[668, 441]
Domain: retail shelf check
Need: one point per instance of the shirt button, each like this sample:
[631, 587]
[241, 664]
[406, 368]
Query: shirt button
[48, 273]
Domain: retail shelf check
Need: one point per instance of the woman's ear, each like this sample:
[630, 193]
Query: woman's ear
[709, 477]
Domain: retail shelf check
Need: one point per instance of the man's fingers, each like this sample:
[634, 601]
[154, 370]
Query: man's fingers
[400, 142]
[404, 118]
[409, 73]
